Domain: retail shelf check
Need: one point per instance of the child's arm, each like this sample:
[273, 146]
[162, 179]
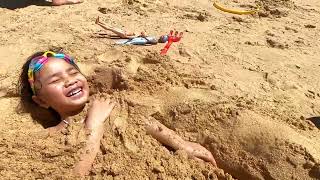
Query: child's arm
[90, 152]
[168, 137]
[98, 112]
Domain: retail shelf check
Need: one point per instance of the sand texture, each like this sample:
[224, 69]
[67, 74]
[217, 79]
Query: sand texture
[245, 87]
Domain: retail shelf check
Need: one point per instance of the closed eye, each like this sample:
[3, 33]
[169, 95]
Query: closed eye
[73, 72]
[55, 80]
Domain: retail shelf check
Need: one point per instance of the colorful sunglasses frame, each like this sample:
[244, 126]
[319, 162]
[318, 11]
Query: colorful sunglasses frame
[37, 63]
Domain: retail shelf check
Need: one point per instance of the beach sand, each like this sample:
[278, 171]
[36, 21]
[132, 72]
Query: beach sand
[245, 87]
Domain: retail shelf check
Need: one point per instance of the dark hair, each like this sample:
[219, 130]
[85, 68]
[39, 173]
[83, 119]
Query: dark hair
[46, 117]
[163, 39]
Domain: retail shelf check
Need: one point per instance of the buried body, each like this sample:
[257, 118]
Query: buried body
[54, 82]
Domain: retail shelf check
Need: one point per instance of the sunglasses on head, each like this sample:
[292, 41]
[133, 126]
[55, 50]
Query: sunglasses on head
[37, 63]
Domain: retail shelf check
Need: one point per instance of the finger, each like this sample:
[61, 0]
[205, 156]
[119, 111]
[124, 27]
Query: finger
[213, 162]
[112, 105]
[110, 108]
[207, 156]
[107, 96]
[99, 100]
[91, 100]
[95, 96]
[197, 159]
[107, 101]
[115, 100]
[201, 159]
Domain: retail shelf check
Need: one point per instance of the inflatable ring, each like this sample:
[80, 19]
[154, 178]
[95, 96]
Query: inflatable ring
[234, 11]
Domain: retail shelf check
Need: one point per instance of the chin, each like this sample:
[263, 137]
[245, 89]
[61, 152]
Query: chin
[76, 108]
[81, 101]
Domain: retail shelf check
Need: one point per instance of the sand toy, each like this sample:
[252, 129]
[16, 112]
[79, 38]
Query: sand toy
[171, 39]
[234, 11]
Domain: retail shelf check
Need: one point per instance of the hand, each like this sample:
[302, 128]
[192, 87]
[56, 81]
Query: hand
[98, 112]
[198, 151]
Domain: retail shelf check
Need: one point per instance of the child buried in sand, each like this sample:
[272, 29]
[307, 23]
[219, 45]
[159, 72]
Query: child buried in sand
[54, 82]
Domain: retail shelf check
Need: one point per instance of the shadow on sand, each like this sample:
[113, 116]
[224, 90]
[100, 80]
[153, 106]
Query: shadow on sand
[15, 4]
[315, 121]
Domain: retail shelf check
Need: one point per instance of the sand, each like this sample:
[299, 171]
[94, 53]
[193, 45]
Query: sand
[245, 87]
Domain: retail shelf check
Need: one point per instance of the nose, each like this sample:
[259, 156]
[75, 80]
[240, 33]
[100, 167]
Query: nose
[70, 82]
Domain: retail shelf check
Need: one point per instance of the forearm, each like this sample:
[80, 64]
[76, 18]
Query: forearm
[165, 135]
[90, 151]
[168, 137]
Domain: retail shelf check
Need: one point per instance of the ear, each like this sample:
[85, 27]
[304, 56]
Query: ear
[40, 102]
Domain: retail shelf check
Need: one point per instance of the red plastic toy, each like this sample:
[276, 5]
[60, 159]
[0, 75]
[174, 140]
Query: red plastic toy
[171, 39]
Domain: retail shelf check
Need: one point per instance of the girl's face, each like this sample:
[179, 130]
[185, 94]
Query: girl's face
[61, 87]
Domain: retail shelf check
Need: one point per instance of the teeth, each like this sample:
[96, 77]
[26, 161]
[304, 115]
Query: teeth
[73, 92]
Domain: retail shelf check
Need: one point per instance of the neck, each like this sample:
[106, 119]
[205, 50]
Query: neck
[66, 115]
[63, 124]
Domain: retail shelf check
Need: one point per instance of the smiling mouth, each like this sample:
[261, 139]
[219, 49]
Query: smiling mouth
[74, 92]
